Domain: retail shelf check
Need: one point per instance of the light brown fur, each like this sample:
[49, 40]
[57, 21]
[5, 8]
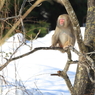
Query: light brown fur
[64, 35]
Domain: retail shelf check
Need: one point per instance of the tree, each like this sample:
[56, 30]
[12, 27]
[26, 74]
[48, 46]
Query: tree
[84, 81]
[88, 86]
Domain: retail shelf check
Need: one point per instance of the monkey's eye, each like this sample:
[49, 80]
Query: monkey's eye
[62, 20]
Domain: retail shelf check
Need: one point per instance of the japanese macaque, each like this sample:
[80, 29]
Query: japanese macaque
[64, 35]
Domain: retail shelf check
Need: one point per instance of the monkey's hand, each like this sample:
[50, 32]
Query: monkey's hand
[66, 45]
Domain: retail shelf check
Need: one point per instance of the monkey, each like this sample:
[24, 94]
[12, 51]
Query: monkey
[64, 35]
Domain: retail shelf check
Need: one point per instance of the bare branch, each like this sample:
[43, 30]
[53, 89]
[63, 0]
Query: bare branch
[1, 4]
[90, 53]
[67, 66]
[67, 80]
[4, 19]
[16, 50]
[54, 48]
[22, 7]
[37, 34]
[23, 29]
[83, 55]
[18, 22]
[89, 62]
[36, 49]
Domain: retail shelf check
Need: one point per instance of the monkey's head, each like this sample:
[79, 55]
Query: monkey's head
[63, 20]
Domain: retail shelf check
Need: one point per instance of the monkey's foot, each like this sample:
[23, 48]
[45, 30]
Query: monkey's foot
[66, 47]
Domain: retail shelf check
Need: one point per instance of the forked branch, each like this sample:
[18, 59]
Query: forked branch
[18, 22]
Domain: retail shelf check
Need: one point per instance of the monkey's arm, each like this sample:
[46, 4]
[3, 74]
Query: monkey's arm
[55, 37]
[69, 42]
[54, 40]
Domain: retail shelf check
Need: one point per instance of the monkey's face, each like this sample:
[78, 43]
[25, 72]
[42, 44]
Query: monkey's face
[61, 22]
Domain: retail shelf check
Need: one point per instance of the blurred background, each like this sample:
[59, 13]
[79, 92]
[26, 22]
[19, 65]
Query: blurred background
[42, 18]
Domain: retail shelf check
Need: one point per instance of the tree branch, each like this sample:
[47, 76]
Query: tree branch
[22, 7]
[21, 56]
[4, 19]
[1, 4]
[67, 80]
[18, 22]
[54, 48]
[83, 55]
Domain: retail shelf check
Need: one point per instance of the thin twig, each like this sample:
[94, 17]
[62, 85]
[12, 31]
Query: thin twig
[83, 55]
[37, 34]
[67, 80]
[22, 7]
[21, 56]
[18, 22]
[23, 29]
[15, 51]
[91, 53]
[4, 19]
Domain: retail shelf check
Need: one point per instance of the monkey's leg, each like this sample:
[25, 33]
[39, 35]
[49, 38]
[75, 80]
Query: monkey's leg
[54, 40]
[66, 45]
[68, 61]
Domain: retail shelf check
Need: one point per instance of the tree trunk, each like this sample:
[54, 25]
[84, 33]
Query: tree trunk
[83, 85]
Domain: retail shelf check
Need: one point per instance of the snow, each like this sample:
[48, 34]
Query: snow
[31, 75]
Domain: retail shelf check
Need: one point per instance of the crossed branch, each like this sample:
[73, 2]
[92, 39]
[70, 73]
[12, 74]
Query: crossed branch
[89, 63]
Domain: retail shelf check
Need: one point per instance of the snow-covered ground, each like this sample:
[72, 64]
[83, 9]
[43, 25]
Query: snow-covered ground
[31, 75]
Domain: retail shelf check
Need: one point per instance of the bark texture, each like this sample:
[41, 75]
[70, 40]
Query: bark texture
[90, 25]
[82, 85]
